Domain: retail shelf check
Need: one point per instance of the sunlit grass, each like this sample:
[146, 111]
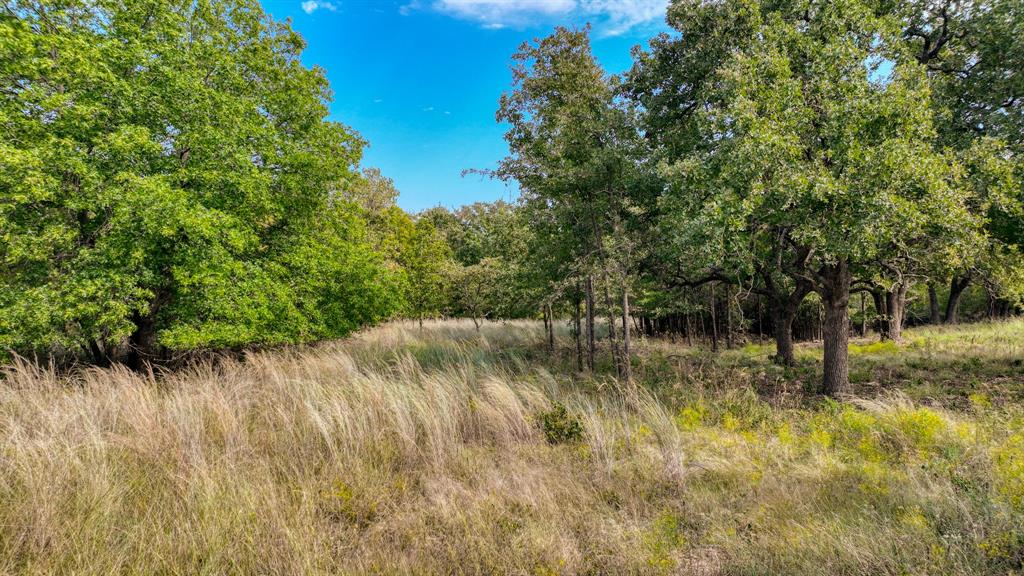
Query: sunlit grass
[443, 451]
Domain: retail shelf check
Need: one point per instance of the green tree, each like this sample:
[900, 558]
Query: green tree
[674, 82]
[804, 144]
[573, 151]
[166, 182]
[973, 53]
[428, 264]
[476, 289]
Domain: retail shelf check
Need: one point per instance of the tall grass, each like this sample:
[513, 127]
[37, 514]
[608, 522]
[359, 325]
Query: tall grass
[409, 451]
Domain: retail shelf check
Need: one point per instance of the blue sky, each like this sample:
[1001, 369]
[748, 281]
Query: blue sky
[421, 79]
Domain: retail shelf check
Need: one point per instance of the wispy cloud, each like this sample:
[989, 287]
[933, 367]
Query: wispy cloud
[620, 16]
[310, 6]
[502, 13]
[611, 17]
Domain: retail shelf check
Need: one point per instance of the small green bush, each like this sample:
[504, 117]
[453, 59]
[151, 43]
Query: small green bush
[559, 426]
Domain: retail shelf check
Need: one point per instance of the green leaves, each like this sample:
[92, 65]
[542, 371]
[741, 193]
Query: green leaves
[170, 164]
[797, 136]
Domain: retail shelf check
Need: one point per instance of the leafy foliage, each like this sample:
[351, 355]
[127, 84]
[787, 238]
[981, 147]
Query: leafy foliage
[168, 175]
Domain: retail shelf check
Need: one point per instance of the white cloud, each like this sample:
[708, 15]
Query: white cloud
[310, 6]
[610, 17]
[504, 13]
[409, 8]
[622, 15]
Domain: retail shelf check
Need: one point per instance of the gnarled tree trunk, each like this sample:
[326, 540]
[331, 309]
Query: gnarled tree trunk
[835, 296]
[782, 322]
[784, 308]
[895, 308]
[878, 297]
[956, 289]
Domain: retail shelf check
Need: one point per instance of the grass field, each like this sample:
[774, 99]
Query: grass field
[448, 451]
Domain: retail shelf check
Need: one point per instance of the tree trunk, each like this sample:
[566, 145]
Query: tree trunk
[142, 345]
[97, 354]
[627, 366]
[879, 299]
[729, 343]
[590, 323]
[863, 317]
[896, 305]
[934, 316]
[714, 321]
[577, 334]
[612, 339]
[835, 296]
[760, 318]
[551, 328]
[956, 289]
[782, 323]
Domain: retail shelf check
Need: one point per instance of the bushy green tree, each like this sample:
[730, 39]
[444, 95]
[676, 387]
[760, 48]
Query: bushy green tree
[806, 144]
[973, 53]
[574, 151]
[428, 264]
[166, 179]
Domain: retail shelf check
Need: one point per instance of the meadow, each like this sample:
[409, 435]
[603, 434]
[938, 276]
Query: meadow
[447, 450]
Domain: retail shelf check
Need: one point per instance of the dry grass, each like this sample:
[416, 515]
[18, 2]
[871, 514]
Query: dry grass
[403, 451]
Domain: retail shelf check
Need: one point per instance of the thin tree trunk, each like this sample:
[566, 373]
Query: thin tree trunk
[627, 367]
[714, 321]
[821, 320]
[576, 333]
[544, 312]
[760, 318]
[591, 342]
[551, 328]
[689, 331]
[934, 315]
[728, 318]
[863, 317]
[835, 296]
[612, 338]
